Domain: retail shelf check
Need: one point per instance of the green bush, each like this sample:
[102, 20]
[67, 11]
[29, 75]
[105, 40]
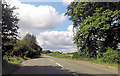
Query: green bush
[27, 47]
[75, 55]
[12, 58]
[110, 56]
[82, 54]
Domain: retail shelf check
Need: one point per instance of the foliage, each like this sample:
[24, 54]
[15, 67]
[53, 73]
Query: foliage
[27, 47]
[97, 25]
[79, 58]
[111, 56]
[59, 55]
[82, 54]
[9, 25]
[14, 59]
[10, 64]
[46, 51]
[8, 47]
[18, 50]
[14, 50]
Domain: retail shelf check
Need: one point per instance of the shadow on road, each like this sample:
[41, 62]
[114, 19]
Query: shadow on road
[8, 68]
[47, 71]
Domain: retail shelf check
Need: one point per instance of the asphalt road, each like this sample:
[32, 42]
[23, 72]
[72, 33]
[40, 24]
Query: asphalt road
[50, 65]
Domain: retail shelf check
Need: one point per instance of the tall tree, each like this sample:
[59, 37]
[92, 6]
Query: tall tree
[9, 26]
[9, 23]
[98, 24]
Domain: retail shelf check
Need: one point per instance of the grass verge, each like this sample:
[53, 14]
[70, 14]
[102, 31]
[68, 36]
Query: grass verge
[92, 60]
[10, 64]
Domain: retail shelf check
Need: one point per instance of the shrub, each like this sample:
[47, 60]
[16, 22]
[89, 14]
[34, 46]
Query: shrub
[110, 56]
[82, 53]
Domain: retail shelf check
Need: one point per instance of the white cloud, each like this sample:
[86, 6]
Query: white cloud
[57, 40]
[36, 18]
[41, 17]
[67, 2]
[70, 28]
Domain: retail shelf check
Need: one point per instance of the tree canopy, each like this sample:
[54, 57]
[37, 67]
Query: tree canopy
[27, 47]
[9, 23]
[98, 25]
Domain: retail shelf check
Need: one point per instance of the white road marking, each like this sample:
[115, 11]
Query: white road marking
[59, 65]
[52, 60]
[75, 74]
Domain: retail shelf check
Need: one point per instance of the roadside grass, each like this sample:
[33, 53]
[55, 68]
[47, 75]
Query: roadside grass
[10, 64]
[106, 64]
[10, 67]
[92, 60]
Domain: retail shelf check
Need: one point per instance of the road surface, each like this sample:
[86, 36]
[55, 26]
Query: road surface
[50, 65]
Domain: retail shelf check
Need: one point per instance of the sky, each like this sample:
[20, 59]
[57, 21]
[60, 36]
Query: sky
[46, 20]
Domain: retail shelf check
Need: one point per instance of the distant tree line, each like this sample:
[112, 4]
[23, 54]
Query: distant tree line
[98, 30]
[49, 51]
[46, 51]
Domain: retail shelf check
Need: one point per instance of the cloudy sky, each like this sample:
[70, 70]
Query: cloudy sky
[46, 20]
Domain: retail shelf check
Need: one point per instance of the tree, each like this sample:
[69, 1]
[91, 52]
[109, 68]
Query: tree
[46, 51]
[27, 47]
[9, 23]
[30, 40]
[9, 26]
[98, 25]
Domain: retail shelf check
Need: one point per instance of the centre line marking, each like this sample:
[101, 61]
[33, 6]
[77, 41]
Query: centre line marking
[75, 74]
[59, 65]
[52, 60]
